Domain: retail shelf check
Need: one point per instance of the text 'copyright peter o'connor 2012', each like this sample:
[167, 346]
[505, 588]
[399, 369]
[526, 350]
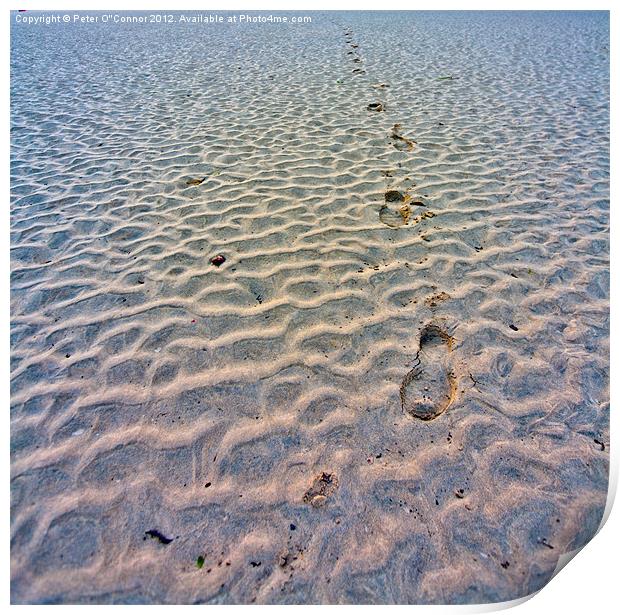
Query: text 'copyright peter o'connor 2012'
[158, 18]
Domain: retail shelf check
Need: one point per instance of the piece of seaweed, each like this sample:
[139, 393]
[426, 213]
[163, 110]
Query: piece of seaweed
[157, 534]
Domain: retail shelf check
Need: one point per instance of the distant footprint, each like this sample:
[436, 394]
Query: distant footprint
[324, 486]
[429, 388]
[399, 142]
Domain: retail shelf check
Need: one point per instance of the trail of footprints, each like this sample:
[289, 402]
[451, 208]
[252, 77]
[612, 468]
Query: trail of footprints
[157, 418]
[429, 388]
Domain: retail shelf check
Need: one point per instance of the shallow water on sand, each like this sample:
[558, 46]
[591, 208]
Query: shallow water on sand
[394, 388]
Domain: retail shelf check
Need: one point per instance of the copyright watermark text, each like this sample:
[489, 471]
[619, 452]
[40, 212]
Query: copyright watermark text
[158, 18]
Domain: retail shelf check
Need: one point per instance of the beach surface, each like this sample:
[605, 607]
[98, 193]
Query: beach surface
[308, 313]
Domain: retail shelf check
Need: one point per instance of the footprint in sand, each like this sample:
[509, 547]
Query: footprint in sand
[324, 486]
[399, 142]
[396, 211]
[195, 182]
[395, 218]
[429, 388]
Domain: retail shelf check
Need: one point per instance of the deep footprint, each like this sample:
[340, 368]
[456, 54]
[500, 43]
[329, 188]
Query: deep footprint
[429, 388]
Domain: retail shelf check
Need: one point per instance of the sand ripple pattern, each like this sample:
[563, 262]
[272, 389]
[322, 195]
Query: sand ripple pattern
[251, 413]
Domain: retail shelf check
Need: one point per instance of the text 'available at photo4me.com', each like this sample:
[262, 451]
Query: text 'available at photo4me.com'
[47, 19]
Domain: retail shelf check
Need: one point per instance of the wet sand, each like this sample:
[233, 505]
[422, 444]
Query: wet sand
[312, 313]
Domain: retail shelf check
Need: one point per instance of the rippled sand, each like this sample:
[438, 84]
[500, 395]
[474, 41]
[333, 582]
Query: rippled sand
[394, 388]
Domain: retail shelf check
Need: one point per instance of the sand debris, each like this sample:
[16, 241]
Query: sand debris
[324, 485]
[432, 302]
[218, 260]
[405, 213]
